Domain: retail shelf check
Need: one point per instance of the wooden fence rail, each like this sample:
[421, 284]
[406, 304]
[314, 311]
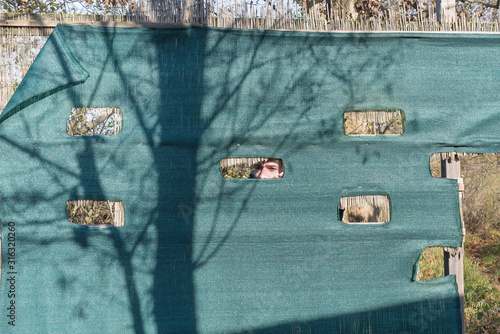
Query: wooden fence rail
[227, 162]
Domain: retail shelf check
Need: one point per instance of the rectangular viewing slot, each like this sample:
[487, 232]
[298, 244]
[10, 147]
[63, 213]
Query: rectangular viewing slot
[365, 209]
[431, 264]
[96, 213]
[252, 168]
[94, 121]
[374, 122]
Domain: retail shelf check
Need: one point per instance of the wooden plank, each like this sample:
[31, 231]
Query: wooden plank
[454, 257]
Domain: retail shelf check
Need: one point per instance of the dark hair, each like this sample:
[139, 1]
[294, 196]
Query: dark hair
[259, 165]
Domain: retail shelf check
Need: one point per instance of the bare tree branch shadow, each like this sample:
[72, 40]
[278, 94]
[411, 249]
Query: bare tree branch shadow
[214, 100]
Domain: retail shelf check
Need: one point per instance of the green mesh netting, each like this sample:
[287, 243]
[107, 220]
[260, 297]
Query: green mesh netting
[200, 253]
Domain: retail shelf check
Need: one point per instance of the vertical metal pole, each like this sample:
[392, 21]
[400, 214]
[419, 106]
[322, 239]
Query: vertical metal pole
[453, 257]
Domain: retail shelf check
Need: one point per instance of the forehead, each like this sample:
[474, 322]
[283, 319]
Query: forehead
[270, 165]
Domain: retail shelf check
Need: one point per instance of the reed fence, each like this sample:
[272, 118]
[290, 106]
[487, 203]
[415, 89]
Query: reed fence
[228, 162]
[365, 209]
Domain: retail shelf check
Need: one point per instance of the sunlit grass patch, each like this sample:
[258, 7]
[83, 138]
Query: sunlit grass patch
[482, 300]
[431, 264]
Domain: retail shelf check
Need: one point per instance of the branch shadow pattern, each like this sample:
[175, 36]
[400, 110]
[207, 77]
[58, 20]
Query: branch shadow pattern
[190, 233]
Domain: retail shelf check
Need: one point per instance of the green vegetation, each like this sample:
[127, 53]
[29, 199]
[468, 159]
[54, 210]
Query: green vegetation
[481, 202]
[238, 171]
[482, 298]
[431, 264]
[482, 244]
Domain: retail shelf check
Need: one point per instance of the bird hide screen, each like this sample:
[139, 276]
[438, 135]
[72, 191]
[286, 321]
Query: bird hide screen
[197, 252]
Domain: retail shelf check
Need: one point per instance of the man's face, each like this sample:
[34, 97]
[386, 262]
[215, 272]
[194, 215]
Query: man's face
[269, 170]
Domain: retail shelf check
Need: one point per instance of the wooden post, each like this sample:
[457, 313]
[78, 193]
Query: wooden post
[186, 11]
[445, 11]
[453, 257]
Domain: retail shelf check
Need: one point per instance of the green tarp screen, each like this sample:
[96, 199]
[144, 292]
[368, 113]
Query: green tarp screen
[200, 253]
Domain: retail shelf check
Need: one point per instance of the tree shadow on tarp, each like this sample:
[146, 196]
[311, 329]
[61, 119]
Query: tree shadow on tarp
[216, 100]
[427, 317]
[184, 164]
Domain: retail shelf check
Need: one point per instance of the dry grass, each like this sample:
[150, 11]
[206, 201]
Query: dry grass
[95, 213]
[373, 122]
[365, 209]
[481, 202]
